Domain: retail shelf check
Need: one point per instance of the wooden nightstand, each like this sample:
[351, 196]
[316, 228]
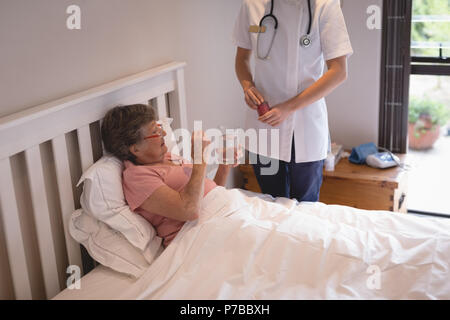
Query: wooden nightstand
[358, 186]
[363, 187]
[250, 182]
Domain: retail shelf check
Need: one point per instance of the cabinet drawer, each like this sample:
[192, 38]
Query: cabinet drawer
[370, 195]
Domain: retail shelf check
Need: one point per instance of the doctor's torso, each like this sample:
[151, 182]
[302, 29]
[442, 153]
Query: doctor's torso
[291, 68]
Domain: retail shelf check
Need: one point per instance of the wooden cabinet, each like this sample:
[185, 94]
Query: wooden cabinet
[363, 187]
[357, 186]
[250, 182]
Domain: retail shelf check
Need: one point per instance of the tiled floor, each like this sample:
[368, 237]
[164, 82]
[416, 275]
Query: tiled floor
[429, 178]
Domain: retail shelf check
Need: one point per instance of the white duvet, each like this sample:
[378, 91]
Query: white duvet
[246, 247]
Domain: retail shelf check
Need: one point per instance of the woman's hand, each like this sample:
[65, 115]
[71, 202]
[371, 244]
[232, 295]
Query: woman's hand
[253, 98]
[224, 168]
[199, 143]
[276, 115]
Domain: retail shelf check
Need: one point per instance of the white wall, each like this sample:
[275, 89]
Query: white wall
[42, 60]
[353, 109]
[212, 89]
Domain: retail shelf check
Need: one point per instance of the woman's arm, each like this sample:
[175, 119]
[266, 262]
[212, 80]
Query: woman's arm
[184, 205]
[335, 76]
[224, 169]
[222, 174]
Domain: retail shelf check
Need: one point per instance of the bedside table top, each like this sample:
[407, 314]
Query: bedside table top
[363, 173]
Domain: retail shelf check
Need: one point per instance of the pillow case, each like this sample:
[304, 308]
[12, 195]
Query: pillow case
[109, 247]
[103, 199]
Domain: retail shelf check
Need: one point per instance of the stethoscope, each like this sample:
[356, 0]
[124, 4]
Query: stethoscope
[305, 41]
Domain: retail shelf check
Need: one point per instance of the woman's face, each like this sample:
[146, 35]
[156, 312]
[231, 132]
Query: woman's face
[151, 149]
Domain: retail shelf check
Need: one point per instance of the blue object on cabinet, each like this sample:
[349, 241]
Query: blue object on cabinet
[360, 153]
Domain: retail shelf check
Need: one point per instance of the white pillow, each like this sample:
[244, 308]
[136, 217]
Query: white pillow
[103, 199]
[170, 139]
[109, 247]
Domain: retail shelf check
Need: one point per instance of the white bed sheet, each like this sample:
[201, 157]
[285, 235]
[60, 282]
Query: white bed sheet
[246, 248]
[243, 247]
[103, 283]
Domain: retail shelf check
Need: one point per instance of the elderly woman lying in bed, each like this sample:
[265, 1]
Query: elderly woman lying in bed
[164, 192]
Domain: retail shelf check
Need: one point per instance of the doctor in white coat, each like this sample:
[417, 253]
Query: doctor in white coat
[290, 49]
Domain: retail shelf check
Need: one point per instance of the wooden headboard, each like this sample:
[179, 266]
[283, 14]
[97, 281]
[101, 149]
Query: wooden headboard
[43, 152]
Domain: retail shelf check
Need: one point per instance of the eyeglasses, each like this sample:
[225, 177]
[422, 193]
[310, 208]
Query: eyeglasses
[156, 135]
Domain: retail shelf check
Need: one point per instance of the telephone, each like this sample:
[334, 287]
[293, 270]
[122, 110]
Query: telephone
[382, 160]
[368, 154]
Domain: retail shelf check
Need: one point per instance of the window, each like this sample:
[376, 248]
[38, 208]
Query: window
[416, 40]
[430, 37]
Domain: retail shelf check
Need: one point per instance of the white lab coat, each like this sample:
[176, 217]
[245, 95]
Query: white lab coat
[293, 68]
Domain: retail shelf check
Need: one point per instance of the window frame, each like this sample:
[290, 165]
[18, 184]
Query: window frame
[394, 77]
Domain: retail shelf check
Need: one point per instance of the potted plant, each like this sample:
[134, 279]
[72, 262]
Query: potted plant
[425, 119]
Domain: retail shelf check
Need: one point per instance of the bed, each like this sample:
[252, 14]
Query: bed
[244, 246]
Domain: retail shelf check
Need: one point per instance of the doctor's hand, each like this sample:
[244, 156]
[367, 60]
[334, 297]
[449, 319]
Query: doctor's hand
[276, 115]
[253, 97]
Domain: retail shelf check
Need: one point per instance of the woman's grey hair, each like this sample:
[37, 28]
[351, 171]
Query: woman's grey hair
[121, 128]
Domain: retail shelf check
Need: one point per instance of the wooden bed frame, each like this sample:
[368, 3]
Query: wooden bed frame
[43, 152]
